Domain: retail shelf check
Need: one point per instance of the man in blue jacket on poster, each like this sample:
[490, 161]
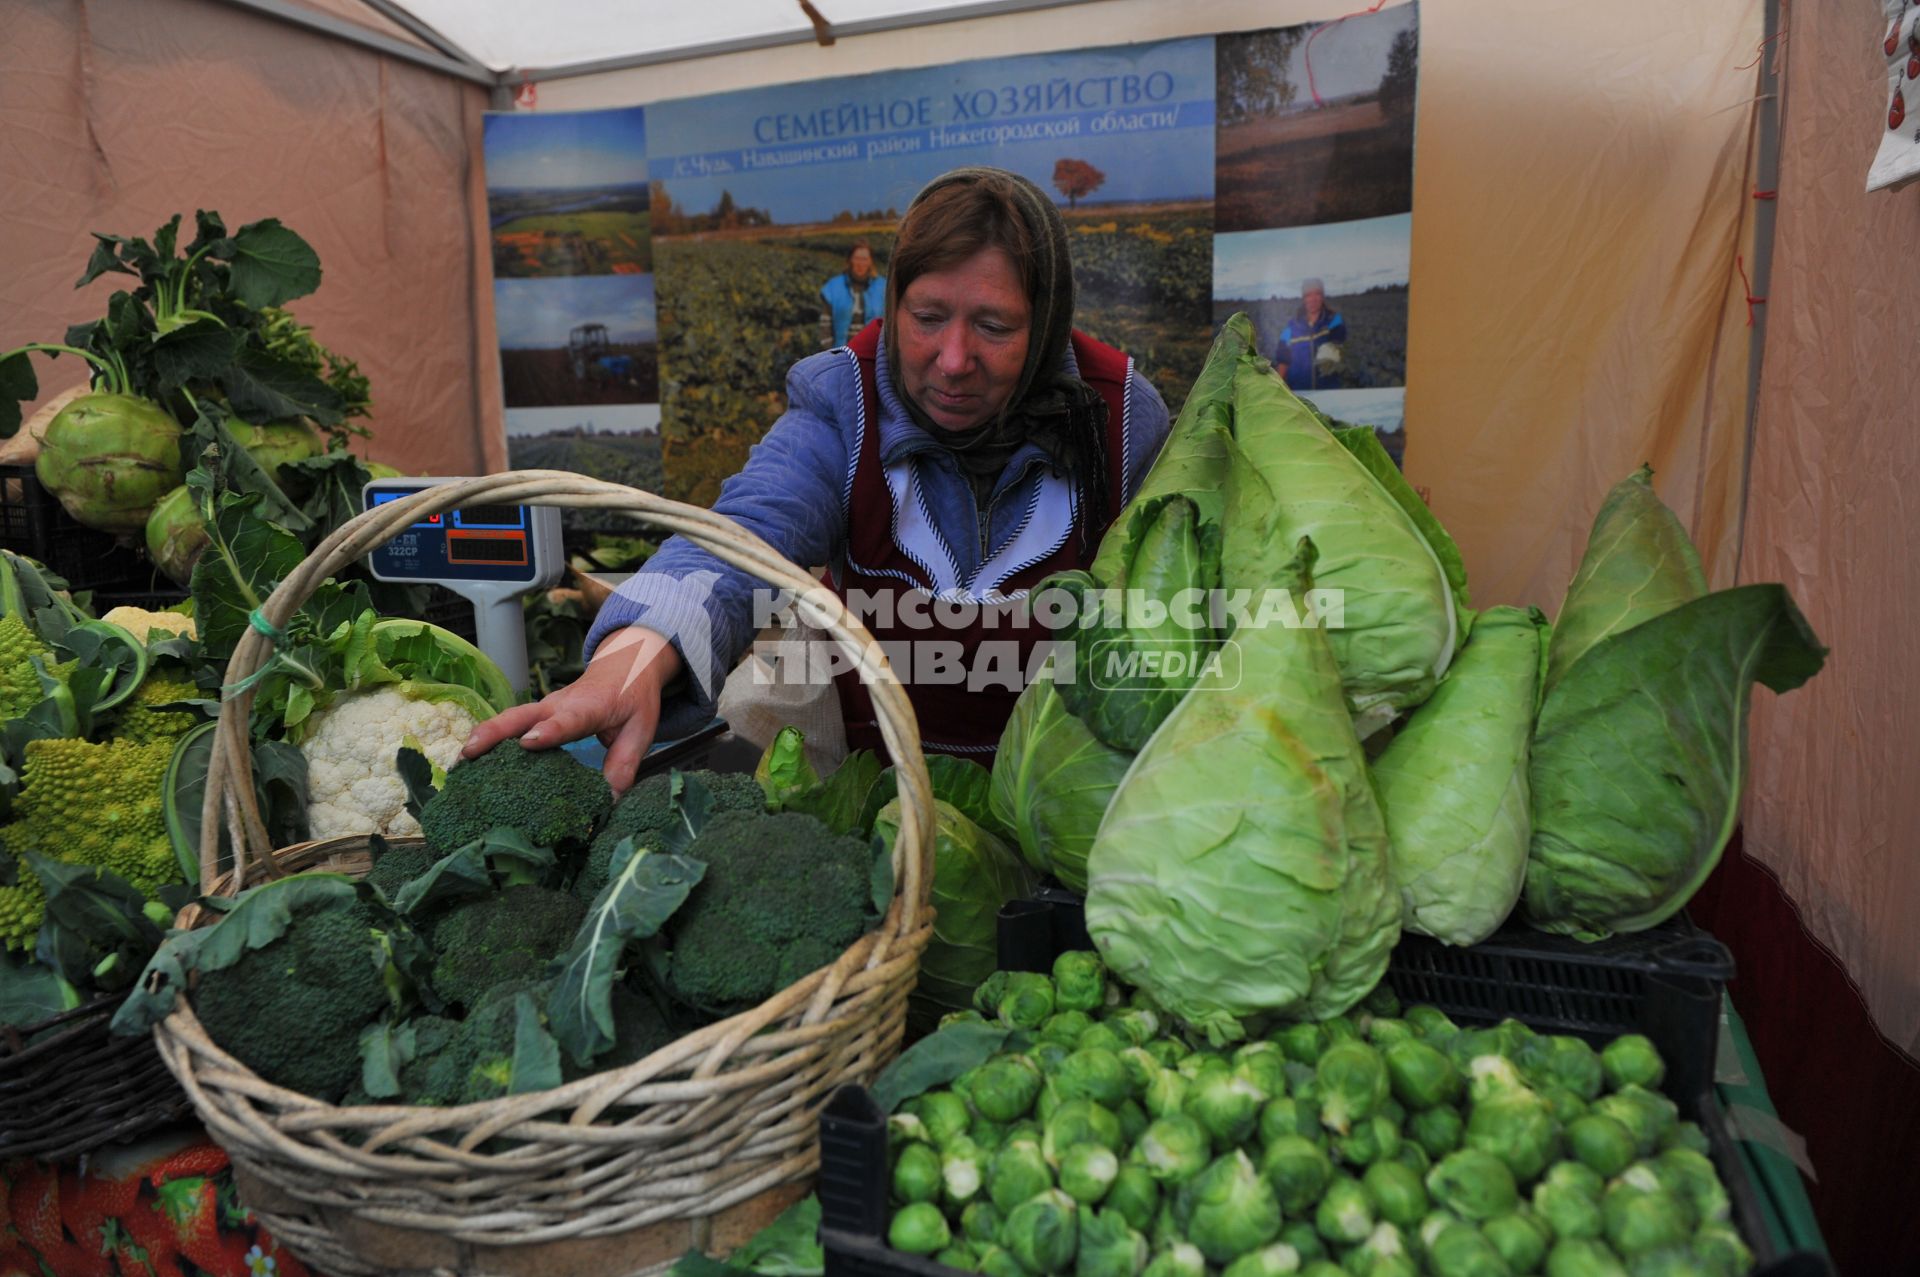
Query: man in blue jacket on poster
[1310, 344]
[853, 297]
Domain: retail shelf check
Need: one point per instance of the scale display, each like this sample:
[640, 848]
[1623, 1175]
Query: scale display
[476, 543]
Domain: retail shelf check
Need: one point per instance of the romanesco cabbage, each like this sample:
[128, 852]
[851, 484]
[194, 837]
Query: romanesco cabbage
[19, 683]
[140, 719]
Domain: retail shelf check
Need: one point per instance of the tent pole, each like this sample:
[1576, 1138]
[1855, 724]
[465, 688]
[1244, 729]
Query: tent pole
[325, 24]
[424, 31]
[1766, 179]
[777, 39]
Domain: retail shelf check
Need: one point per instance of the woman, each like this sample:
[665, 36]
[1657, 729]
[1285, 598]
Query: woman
[967, 447]
[1309, 351]
[853, 297]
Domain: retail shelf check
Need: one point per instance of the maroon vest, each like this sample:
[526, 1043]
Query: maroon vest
[954, 720]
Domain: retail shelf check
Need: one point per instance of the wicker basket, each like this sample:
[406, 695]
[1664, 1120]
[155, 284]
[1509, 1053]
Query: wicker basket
[611, 1174]
[67, 1086]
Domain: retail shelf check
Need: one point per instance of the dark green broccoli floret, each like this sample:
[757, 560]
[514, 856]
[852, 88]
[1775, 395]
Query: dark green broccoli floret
[292, 1010]
[471, 1060]
[647, 808]
[506, 936]
[546, 794]
[783, 895]
[640, 1027]
[400, 866]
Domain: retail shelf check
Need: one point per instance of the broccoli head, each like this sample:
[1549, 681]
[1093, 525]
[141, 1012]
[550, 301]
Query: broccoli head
[783, 895]
[647, 808]
[473, 1060]
[503, 937]
[399, 866]
[546, 794]
[292, 1010]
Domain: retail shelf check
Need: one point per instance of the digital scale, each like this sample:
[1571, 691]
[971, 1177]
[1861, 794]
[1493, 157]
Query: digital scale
[490, 555]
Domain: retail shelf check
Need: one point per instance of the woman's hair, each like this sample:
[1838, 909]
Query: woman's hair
[953, 223]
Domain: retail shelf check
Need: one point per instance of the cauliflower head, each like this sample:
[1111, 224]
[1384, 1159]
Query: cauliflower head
[143, 624]
[352, 784]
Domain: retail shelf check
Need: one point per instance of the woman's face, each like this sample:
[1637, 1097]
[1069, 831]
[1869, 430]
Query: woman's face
[860, 264]
[962, 338]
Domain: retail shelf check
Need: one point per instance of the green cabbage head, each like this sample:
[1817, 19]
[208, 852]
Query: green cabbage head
[1453, 783]
[1052, 781]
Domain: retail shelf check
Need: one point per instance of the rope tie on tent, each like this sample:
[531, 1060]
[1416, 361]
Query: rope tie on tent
[1766, 195]
[1746, 287]
[1306, 54]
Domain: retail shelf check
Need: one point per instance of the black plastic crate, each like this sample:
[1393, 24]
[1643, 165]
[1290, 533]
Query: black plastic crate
[1665, 983]
[34, 523]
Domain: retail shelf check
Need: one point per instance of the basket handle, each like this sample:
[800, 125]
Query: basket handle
[229, 800]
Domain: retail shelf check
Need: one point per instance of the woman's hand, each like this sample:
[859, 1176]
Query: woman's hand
[616, 698]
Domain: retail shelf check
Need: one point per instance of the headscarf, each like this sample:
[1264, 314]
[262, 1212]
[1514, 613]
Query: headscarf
[1049, 407]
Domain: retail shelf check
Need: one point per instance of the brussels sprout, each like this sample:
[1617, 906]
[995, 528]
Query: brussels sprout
[1561, 1060]
[1094, 1075]
[1570, 1213]
[1005, 1087]
[1018, 1171]
[997, 1261]
[1398, 1195]
[1137, 1025]
[1087, 1171]
[1382, 1000]
[1473, 1184]
[943, 1113]
[1299, 1171]
[1668, 1261]
[1302, 1042]
[1698, 1182]
[1264, 1065]
[1687, 1135]
[1194, 1063]
[1567, 1106]
[1341, 1028]
[987, 995]
[1521, 1240]
[1583, 1257]
[1648, 1114]
[1228, 1209]
[1475, 1043]
[1167, 1092]
[919, 1229]
[1135, 1194]
[1182, 1259]
[1174, 1148]
[1227, 1105]
[1288, 1116]
[1577, 1176]
[916, 1175]
[1301, 1082]
[1632, 1060]
[1601, 1142]
[1640, 1218]
[1383, 1031]
[959, 1255]
[1516, 1126]
[1305, 1239]
[1323, 1268]
[1433, 1222]
[1384, 1253]
[1169, 1051]
[1277, 1260]
[963, 1169]
[1043, 1232]
[1421, 1076]
[1491, 1075]
[1345, 1214]
[988, 1136]
[1166, 1228]
[1374, 1140]
[1026, 1001]
[1437, 1130]
[980, 1222]
[1080, 981]
[1065, 1027]
[1352, 1081]
[1133, 1122]
[1411, 1154]
[1102, 1037]
[1721, 1251]
[1393, 1110]
[1049, 1056]
[1141, 1069]
[1080, 1121]
[1458, 1249]
[1429, 1020]
[1109, 1246]
[905, 1128]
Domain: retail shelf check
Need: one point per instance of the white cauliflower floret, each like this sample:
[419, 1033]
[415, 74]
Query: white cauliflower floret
[141, 623]
[352, 784]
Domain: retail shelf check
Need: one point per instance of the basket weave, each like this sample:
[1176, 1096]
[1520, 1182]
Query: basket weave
[79, 1087]
[526, 1183]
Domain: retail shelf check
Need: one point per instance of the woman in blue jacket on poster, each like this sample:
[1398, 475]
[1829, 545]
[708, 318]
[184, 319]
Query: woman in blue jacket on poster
[964, 449]
[854, 297]
[1309, 351]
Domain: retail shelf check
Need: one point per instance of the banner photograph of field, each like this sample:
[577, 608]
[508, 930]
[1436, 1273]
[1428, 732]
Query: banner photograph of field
[758, 198]
[568, 342]
[567, 193]
[1316, 121]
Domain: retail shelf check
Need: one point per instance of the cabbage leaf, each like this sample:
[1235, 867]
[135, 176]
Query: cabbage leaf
[1052, 781]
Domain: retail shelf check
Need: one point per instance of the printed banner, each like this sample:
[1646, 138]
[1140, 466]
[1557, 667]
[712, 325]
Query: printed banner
[1268, 171]
[1898, 159]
